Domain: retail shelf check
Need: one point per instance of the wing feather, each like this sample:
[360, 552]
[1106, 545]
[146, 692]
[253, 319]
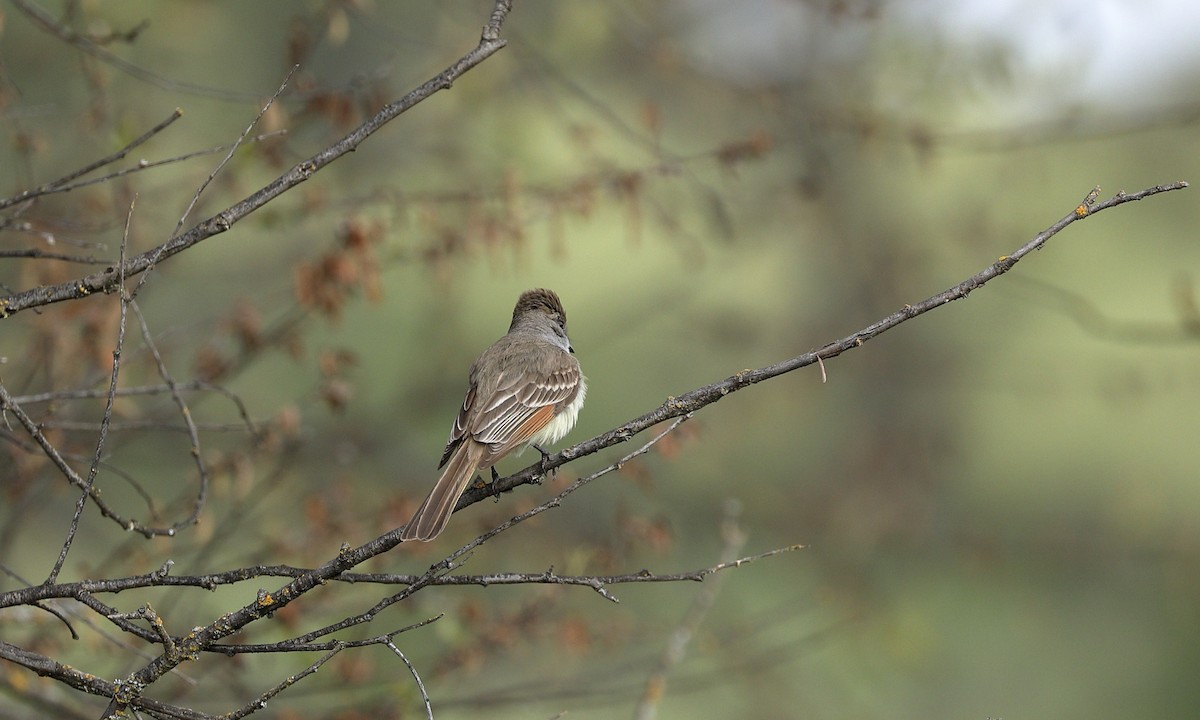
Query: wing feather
[521, 404]
[518, 409]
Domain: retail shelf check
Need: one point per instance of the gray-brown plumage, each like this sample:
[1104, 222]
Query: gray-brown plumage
[526, 388]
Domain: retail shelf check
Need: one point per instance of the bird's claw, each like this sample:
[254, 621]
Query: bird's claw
[495, 488]
[545, 459]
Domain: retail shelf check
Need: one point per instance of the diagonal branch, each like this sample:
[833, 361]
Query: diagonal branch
[62, 183]
[694, 400]
[105, 281]
[8, 404]
[260, 702]
[48, 667]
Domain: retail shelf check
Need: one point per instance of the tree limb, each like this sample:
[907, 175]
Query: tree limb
[694, 400]
[105, 281]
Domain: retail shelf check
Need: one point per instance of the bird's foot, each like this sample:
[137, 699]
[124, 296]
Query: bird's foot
[489, 486]
[495, 488]
[545, 458]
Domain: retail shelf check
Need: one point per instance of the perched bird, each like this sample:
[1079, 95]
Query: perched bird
[526, 389]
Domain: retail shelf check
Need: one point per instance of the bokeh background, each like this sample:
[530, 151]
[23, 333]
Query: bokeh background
[999, 498]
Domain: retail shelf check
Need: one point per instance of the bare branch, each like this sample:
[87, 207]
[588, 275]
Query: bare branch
[224, 161]
[8, 404]
[90, 483]
[140, 166]
[104, 281]
[261, 701]
[48, 667]
[184, 412]
[188, 386]
[89, 601]
[694, 400]
[160, 578]
[37, 254]
[146, 612]
[60, 615]
[60, 184]
[420, 685]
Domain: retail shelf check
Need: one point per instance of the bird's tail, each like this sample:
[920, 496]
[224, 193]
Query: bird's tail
[431, 518]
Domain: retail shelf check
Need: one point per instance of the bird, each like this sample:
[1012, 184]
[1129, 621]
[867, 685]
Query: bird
[525, 390]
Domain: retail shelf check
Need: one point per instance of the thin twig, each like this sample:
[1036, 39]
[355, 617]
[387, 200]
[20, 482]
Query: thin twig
[36, 254]
[9, 405]
[146, 612]
[88, 600]
[261, 701]
[190, 424]
[416, 676]
[288, 646]
[188, 386]
[60, 615]
[90, 483]
[140, 166]
[59, 184]
[228, 156]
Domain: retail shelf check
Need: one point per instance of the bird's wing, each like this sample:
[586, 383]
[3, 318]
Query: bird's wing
[522, 404]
